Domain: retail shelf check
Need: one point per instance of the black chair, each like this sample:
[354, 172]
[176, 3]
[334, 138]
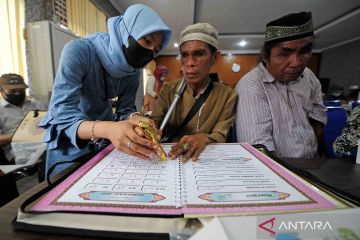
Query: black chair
[334, 103]
[8, 188]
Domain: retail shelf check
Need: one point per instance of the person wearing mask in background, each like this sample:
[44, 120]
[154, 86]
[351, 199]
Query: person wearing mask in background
[280, 103]
[14, 105]
[153, 88]
[213, 119]
[93, 70]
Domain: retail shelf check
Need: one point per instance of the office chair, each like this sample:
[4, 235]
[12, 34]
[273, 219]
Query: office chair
[334, 103]
[354, 104]
[336, 121]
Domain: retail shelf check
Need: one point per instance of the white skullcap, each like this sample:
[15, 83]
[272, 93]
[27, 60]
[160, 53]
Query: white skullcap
[200, 31]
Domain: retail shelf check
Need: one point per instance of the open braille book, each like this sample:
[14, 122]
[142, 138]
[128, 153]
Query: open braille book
[228, 179]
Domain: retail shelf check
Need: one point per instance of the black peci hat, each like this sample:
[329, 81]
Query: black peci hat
[290, 27]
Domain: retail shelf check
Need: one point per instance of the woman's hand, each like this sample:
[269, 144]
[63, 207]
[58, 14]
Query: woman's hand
[124, 138]
[190, 146]
[137, 118]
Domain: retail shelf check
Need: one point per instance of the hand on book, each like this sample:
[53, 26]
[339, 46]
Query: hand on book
[190, 146]
[125, 138]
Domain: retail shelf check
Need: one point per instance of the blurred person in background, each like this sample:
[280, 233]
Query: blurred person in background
[14, 106]
[153, 87]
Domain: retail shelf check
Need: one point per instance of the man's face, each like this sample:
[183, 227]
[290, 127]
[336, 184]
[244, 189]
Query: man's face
[288, 60]
[196, 61]
[14, 96]
[17, 91]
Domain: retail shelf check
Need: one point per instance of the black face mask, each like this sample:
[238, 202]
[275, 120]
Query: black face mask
[15, 99]
[136, 55]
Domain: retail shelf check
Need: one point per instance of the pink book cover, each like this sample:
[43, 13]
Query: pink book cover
[315, 200]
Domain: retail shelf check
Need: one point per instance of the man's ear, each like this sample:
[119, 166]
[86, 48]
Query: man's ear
[215, 57]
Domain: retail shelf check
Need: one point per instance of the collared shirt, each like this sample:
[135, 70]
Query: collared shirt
[276, 114]
[11, 116]
[214, 118]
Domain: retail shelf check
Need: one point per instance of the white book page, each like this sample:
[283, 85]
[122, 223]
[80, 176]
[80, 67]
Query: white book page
[122, 179]
[229, 174]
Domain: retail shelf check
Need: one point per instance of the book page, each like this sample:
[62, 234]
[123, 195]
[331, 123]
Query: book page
[229, 176]
[117, 183]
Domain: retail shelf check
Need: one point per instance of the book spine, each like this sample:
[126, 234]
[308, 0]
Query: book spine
[183, 193]
[179, 183]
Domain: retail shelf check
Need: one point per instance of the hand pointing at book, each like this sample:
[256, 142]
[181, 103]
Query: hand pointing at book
[189, 146]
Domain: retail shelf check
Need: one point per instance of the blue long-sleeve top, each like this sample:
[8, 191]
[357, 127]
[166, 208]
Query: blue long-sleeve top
[91, 71]
[82, 90]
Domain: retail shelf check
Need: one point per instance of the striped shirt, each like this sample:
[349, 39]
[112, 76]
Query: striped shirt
[276, 115]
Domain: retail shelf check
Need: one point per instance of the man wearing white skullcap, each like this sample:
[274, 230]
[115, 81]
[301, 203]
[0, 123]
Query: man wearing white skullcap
[214, 102]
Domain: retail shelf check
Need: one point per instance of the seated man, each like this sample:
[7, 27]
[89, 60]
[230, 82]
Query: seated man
[215, 114]
[280, 104]
[13, 108]
[346, 145]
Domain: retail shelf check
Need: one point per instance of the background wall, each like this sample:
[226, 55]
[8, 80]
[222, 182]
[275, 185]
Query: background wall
[224, 64]
[342, 64]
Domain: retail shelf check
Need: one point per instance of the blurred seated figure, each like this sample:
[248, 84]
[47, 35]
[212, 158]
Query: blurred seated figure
[345, 146]
[153, 87]
[14, 105]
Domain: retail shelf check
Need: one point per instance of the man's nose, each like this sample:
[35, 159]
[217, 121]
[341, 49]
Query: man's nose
[296, 60]
[190, 61]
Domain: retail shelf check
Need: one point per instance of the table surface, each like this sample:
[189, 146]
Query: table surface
[340, 173]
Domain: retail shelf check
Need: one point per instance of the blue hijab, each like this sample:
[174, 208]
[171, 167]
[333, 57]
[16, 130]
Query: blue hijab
[140, 20]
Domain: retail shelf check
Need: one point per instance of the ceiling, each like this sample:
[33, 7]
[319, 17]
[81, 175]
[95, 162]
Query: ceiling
[335, 22]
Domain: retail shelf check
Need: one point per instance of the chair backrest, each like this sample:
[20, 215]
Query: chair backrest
[354, 104]
[335, 103]
[336, 121]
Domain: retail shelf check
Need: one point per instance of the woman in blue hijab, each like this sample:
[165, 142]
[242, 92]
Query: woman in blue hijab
[93, 70]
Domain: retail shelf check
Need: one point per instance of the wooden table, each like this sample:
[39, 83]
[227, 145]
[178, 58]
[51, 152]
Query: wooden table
[340, 173]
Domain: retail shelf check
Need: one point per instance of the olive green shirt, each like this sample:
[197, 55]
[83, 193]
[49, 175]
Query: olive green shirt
[213, 119]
